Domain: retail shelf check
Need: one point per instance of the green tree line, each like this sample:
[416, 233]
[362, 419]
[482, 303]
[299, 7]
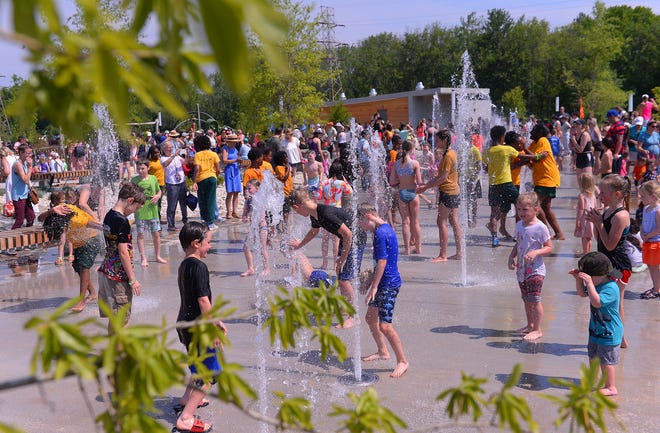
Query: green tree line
[602, 57]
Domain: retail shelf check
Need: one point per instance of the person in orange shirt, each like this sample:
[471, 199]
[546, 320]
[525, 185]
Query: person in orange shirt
[254, 171]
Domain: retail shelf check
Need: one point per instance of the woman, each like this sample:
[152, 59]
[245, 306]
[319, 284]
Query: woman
[448, 197]
[648, 141]
[21, 172]
[156, 168]
[175, 184]
[291, 145]
[580, 143]
[406, 176]
[205, 179]
[545, 176]
[230, 159]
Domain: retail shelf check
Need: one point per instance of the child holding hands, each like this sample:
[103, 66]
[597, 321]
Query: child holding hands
[594, 278]
[383, 288]
[533, 241]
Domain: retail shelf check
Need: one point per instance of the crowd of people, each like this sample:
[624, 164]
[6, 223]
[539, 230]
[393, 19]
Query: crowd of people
[320, 171]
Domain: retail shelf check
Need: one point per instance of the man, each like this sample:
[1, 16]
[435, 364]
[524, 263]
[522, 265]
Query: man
[616, 132]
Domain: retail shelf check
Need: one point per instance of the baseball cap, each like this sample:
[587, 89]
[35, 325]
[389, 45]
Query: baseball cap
[597, 264]
[639, 120]
[645, 96]
[612, 113]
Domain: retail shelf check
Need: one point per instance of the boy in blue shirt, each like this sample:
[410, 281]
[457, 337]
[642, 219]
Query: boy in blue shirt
[382, 289]
[594, 279]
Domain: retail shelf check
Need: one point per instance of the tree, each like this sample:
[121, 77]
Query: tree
[293, 97]
[514, 100]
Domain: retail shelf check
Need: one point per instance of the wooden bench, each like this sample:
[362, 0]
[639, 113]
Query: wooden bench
[27, 238]
[59, 175]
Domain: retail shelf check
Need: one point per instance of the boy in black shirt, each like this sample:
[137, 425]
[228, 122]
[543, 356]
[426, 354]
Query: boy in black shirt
[196, 299]
[338, 222]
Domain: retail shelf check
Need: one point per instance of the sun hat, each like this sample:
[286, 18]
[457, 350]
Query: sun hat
[173, 133]
[231, 137]
[596, 263]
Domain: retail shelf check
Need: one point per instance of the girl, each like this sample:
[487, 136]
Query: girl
[251, 189]
[56, 225]
[326, 162]
[586, 201]
[406, 175]
[331, 193]
[611, 228]
[532, 243]
[156, 168]
[449, 197]
[581, 144]
[650, 195]
[606, 158]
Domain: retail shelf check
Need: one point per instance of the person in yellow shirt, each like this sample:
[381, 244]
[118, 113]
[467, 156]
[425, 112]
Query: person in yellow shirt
[545, 175]
[205, 179]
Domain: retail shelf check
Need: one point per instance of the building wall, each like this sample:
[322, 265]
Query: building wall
[397, 110]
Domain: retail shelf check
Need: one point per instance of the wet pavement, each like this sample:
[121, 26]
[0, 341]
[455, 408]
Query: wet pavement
[445, 328]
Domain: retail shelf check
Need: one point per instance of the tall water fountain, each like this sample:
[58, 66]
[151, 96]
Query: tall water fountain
[105, 156]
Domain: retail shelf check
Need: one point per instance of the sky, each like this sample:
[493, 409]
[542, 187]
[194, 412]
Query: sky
[358, 19]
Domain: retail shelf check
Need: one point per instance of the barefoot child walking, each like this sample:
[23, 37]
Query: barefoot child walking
[649, 192]
[147, 217]
[251, 188]
[381, 293]
[533, 241]
[584, 229]
[595, 279]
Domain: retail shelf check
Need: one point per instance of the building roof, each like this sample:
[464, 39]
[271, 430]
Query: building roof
[422, 92]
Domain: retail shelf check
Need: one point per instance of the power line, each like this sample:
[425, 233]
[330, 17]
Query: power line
[330, 45]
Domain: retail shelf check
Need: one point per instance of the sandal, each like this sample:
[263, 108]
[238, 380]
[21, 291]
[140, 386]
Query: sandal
[651, 295]
[71, 258]
[197, 427]
[59, 261]
[646, 292]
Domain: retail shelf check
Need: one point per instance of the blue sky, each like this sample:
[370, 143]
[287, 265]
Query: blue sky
[362, 18]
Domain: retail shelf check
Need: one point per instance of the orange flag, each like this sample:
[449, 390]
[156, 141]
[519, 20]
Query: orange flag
[581, 109]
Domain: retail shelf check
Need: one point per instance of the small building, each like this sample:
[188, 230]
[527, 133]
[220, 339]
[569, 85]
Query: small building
[415, 105]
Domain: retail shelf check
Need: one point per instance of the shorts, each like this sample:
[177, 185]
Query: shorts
[584, 160]
[115, 294]
[348, 271]
[450, 201]
[530, 289]
[407, 195]
[210, 362]
[502, 196]
[550, 192]
[147, 226]
[384, 300]
[607, 355]
[651, 253]
[317, 277]
[85, 255]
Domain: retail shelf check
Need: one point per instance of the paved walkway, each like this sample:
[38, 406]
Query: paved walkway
[445, 328]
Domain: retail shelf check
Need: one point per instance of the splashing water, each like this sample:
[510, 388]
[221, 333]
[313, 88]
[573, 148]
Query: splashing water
[105, 157]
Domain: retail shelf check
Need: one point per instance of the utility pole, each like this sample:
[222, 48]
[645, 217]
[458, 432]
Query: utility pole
[331, 61]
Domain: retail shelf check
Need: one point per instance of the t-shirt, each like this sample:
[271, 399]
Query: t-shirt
[174, 174]
[386, 247]
[78, 232]
[330, 218]
[280, 173]
[148, 211]
[498, 158]
[266, 166]
[206, 160]
[292, 149]
[544, 172]
[616, 130]
[156, 169]
[116, 230]
[250, 174]
[193, 284]
[448, 164]
[332, 190]
[605, 326]
[531, 237]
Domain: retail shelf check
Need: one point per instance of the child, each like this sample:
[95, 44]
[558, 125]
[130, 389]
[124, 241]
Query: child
[382, 292]
[117, 282]
[55, 226]
[650, 195]
[254, 171]
[594, 278]
[555, 145]
[251, 189]
[338, 222]
[82, 234]
[331, 192]
[196, 299]
[586, 201]
[314, 172]
[147, 217]
[533, 241]
[611, 228]
[326, 161]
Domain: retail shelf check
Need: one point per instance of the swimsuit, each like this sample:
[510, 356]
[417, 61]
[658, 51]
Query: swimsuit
[407, 195]
[406, 170]
[313, 184]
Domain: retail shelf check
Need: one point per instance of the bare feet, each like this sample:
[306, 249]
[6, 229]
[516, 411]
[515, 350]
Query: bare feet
[376, 357]
[265, 272]
[534, 335]
[559, 237]
[144, 264]
[611, 391]
[248, 273]
[523, 330]
[161, 260]
[439, 259]
[349, 322]
[399, 370]
[416, 251]
[624, 343]
[455, 257]
[79, 306]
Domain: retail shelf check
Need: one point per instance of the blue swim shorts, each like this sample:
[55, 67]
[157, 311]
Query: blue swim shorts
[384, 301]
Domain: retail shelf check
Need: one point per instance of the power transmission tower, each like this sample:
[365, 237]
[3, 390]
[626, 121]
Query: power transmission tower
[331, 61]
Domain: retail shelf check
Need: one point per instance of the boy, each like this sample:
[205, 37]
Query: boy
[117, 282]
[313, 171]
[338, 222]
[383, 289]
[594, 278]
[532, 243]
[254, 171]
[196, 300]
[147, 217]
